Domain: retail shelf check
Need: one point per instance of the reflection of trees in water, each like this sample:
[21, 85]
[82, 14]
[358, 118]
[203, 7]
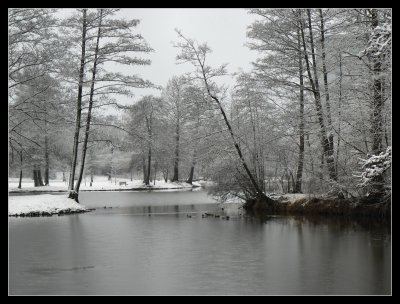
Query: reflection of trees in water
[166, 209]
[334, 223]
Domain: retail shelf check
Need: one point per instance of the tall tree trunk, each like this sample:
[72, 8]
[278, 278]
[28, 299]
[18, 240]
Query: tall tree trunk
[292, 179]
[155, 172]
[46, 158]
[378, 101]
[191, 173]
[145, 180]
[377, 107]
[176, 160]
[386, 136]
[111, 165]
[148, 166]
[39, 177]
[89, 114]
[254, 152]
[35, 176]
[78, 105]
[20, 170]
[149, 120]
[166, 175]
[260, 154]
[317, 98]
[310, 154]
[324, 70]
[339, 112]
[299, 174]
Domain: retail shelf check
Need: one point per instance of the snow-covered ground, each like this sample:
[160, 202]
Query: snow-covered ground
[288, 197]
[233, 200]
[99, 183]
[42, 204]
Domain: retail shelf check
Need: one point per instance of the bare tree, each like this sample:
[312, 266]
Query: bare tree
[196, 54]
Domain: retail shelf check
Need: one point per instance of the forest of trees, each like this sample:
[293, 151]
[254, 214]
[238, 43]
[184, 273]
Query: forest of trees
[312, 116]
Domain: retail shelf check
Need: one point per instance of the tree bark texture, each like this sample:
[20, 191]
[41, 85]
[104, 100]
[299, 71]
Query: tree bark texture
[89, 114]
[78, 105]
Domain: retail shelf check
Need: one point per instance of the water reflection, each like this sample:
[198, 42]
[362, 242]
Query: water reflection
[121, 250]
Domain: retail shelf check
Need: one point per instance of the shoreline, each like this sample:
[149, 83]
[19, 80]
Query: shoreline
[100, 190]
[45, 213]
[356, 207]
[49, 202]
[104, 185]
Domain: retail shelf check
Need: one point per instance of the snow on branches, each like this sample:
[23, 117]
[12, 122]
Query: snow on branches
[374, 168]
[380, 40]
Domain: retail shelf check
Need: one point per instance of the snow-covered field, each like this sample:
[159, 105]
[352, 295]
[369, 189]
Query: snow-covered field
[42, 204]
[100, 183]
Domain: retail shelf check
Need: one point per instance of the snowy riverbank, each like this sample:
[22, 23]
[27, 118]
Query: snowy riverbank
[100, 184]
[42, 205]
[282, 198]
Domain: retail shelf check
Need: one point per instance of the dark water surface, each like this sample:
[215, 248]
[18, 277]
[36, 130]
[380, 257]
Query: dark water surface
[123, 250]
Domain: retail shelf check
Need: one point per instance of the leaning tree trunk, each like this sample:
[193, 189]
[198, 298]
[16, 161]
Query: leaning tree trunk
[78, 109]
[89, 114]
[259, 196]
[258, 192]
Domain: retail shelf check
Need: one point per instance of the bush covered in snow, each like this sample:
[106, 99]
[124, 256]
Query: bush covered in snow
[374, 177]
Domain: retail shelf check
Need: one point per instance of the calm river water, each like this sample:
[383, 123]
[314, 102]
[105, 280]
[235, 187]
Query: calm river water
[147, 244]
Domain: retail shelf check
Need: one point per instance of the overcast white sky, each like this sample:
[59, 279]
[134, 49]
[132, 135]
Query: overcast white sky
[223, 29]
